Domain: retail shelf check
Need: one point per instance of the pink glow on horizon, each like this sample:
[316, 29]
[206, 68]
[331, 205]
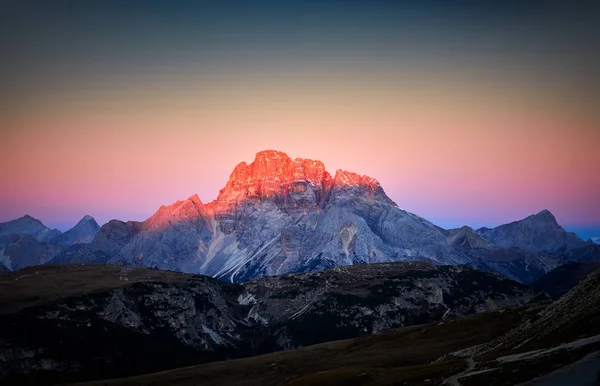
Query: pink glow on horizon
[483, 166]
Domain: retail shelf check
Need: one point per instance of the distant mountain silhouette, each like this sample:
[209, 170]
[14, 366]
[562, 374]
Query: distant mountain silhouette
[26, 241]
[26, 225]
[83, 232]
[560, 280]
[536, 233]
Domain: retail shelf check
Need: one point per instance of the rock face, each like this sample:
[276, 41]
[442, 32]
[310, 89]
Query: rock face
[277, 215]
[26, 241]
[23, 251]
[280, 215]
[82, 233]
[536, 233]
[26, 225]
[588, 253]
[105, 321]
[513, 263]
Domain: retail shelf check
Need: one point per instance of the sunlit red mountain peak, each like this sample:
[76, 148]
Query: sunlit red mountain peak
[294, 185]
[275, 173]
[179, 211]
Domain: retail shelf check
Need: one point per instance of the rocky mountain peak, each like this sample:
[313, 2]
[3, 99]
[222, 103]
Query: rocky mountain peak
[180, 211]
[274, 173]
[536, 233]
[87, 218]
[82, 233]
[26, 225]
[346, 178]
[545, 217]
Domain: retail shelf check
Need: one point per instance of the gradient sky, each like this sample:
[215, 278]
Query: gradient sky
[473, 113]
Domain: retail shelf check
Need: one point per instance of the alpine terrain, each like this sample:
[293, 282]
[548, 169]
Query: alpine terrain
[62, 323]
[280, 215]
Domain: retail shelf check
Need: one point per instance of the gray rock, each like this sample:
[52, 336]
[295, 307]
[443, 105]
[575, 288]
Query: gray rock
[122, 324]
[275, 216]
[82, 233]
[26, 225]
[536, 233]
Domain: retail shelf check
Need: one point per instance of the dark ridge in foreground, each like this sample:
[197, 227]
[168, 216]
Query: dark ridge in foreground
[545, 345]
[560, 280]
[84, 322]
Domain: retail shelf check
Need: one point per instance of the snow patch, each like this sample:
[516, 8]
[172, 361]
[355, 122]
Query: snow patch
[5, 260]
[246, 299]
[213, 335]
[537, 353]
[347, 235]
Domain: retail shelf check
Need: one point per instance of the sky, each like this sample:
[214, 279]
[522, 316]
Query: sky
[476, 113]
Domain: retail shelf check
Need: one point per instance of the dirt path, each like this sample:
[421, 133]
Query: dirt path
[581, 373]
[453, 380]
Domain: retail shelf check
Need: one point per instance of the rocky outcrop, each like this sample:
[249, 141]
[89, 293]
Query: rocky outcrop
[536, 233]
[108, 321]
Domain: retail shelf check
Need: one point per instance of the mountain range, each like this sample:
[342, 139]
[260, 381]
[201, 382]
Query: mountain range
[26, 241]
[280, 215]
[290, 256]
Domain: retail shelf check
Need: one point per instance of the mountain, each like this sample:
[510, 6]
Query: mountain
[63, 323]
[23, 243]
[560, 280]
[83, 232]
[513, 263]
[536, 233]
[26, 241]
[276, 215]
[26, 225]
[541, 344]
[281, 215]
[587, 253]
[22, 251]
[595, 240]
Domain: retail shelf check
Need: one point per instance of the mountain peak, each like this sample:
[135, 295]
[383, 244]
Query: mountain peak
[270, 156]
[536, 233]
[87, 218]
[195, 199]
[82, 233]
[28, 219]
[544, 216]
[345, 177]
[26, 225]
[273, 173]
